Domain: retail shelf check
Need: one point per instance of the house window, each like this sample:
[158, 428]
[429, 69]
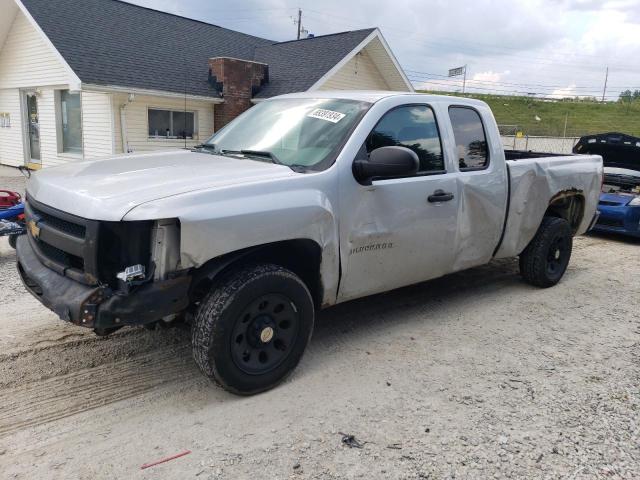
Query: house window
[171, 124]
[5, 120]
[69, 121]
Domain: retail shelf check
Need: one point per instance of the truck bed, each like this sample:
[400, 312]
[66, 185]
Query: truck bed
[536, 179]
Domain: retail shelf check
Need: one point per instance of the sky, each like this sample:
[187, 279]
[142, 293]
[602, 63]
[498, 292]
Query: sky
[551, 48]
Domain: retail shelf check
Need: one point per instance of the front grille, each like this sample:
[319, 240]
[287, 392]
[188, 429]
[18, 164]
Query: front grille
[72, 245]
[58, 223]
[60, 256]
[608, 203]
[610, 222]
[66, 243]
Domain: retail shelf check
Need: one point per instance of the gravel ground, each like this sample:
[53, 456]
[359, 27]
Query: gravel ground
[479, 376]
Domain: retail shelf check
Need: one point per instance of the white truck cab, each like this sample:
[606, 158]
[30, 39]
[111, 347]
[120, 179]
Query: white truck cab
[302, 202]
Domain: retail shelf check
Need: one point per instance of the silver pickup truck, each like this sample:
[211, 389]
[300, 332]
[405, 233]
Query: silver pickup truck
[302, 202]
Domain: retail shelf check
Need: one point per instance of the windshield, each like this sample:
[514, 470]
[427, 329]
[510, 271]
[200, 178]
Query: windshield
[301, 132]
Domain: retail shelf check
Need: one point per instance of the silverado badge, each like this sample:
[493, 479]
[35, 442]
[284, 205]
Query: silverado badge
[33, 228]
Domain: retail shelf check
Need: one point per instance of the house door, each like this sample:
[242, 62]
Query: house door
[33, 128]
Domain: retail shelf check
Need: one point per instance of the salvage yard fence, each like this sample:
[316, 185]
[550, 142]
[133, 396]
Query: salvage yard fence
[512, 139]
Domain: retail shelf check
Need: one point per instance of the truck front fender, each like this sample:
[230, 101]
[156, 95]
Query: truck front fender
[213, 225]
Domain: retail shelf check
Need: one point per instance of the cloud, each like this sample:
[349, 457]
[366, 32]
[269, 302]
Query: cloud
[545, 45]
[569, 91]
[488, 76]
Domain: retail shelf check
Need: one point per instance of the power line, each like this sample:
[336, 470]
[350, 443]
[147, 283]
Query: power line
[522, 92]
[520, 59]
[500, 83]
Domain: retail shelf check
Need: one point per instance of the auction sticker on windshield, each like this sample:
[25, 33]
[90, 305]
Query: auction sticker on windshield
[328, 115]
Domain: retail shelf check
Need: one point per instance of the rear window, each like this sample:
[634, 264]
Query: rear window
[471, 141]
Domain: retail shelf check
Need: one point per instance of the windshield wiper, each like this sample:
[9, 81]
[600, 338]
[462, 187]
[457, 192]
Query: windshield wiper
[261, 153]
[206, 146]
[265, 154]
[271, 156]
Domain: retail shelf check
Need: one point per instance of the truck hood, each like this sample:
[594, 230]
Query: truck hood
[107, 189]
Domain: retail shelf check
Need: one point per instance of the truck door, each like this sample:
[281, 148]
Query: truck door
[399, 231]
[481, 184]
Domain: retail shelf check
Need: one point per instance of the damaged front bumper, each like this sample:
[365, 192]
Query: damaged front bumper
[99, 307]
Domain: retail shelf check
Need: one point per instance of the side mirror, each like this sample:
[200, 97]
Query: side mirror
[386, 162]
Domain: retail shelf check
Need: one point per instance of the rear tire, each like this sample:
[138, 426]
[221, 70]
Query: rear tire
[13, 239]
[547, 256]
[252, 328]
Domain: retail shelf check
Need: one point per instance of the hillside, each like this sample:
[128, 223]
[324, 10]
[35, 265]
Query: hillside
[582, 117]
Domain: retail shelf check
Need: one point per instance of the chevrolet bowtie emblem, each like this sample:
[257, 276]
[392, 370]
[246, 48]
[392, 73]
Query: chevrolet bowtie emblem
[34, 229]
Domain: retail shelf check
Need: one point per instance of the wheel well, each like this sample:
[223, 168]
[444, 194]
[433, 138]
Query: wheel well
[568, 205]
[301, 256]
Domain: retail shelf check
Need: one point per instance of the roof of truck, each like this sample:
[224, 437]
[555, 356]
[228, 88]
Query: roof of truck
[372, 96]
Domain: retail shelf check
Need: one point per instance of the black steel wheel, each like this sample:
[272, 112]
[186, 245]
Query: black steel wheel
[547, 256]
[557, 255]
[251, 330]
[264, 334]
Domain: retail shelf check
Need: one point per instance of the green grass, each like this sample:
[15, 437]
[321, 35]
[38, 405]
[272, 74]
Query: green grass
[583, 117]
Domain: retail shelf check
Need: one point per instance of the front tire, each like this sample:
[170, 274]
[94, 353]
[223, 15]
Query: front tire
[252, 328]
[547, 256]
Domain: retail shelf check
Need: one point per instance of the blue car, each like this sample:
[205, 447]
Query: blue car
[620, 198]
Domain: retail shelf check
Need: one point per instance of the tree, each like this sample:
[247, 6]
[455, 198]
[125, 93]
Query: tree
[626, 96]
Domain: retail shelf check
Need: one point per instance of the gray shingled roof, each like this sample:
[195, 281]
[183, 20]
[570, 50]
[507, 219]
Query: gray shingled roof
[295, 66]
[111, 42]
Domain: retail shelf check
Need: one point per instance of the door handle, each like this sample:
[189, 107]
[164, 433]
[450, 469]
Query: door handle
[440, 196]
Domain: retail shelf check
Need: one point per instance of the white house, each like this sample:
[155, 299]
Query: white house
[82, 79]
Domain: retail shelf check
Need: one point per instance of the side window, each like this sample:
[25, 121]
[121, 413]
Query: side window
[413, 127]
[471, 142]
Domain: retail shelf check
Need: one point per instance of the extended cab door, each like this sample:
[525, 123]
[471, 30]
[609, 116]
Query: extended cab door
[399, 231]
[482, 184]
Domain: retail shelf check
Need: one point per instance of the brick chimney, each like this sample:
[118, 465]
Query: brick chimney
[238, 80]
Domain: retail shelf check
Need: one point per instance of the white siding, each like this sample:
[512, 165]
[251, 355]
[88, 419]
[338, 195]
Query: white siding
[11, 139]
[97, 124]
[387, 68]
[11, 147]
[359, 73]
[48, 130]
[26, 60]
[137, 122]
[372, 68]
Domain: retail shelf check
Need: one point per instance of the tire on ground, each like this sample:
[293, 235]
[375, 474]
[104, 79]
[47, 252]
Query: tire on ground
[233, 311]
[544, 261]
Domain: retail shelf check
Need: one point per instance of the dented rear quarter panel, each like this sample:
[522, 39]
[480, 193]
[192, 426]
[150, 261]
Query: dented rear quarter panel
[534, 183]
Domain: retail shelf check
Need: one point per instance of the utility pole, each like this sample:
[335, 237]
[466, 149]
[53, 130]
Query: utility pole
[299, 22]
[464, 79]
[606, 77]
